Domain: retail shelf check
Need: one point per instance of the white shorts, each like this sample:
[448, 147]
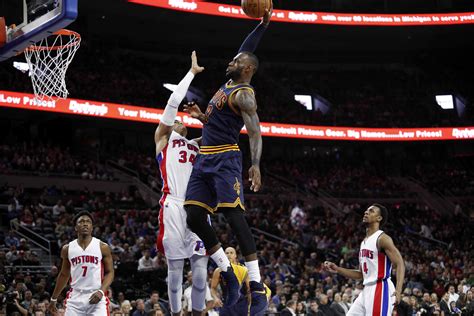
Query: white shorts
[376, 300]
[77, 304]
[175, 240]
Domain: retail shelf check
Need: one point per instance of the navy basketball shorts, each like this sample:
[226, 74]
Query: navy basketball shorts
[216, 181]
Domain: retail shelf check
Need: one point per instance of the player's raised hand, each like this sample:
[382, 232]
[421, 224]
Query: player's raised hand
[192, 109]
[95, 297]
[330, 266]
[255, 178]
[195, 68]
[268, 15]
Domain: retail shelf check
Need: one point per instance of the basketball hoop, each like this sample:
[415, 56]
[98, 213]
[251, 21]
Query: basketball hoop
[48, 61]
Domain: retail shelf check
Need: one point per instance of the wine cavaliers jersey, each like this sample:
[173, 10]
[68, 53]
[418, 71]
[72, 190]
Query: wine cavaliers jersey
[224, 120]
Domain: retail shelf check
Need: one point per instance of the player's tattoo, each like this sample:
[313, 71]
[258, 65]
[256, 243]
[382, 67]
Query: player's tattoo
[248, 106]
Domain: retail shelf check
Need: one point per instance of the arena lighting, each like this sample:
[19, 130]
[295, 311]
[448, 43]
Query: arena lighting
[445, 101]
[99, 109]
[305, 100]
[331, 18]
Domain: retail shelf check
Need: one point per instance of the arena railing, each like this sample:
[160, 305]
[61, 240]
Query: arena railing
[33, 237]
[268, 235]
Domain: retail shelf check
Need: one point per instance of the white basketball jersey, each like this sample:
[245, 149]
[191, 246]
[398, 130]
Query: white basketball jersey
[176, 163]
[374, 264]
[86, 265]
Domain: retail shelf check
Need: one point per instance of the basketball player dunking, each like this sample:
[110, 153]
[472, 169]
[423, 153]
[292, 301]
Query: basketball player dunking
[175, 155]
[87, 262]
[216, 179]
[376, 256]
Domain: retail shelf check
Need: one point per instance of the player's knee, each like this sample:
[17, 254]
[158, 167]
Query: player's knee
[199, 279]
[195, 216]
[235, 217]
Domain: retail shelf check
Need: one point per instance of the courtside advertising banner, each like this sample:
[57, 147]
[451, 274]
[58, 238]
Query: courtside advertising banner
[151, 115]
[294, 16]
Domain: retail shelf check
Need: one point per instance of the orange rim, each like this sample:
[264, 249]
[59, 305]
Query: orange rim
[3, 31]
[76, 42]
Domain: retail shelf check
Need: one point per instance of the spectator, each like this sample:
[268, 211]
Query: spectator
[290, 309]
[140, 311]
[126, 307]
[58, 209]
[12, 240]
[145, 263]
[314, 309]
[337, 306]
[444, 304]
[28, 300]
[453, 296]
[155, 299]
[324, 306]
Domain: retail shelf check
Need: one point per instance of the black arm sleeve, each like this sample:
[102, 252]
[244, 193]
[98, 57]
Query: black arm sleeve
[251, 41]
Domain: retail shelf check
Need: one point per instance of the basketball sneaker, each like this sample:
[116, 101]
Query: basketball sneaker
[232, 287]
[259, 298]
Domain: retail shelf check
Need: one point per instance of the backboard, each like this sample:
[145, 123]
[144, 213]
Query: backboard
[34, 20]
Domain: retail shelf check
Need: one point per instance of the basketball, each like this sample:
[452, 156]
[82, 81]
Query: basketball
[256, 8]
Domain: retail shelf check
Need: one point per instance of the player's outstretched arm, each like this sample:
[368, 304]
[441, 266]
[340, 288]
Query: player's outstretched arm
[348, 273]
[245, 100]
[108, 274]
[251, 41]
[386, 243]
[164, 129]
[62, 279]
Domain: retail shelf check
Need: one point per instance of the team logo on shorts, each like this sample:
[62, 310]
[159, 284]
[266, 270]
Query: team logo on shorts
[237, 186]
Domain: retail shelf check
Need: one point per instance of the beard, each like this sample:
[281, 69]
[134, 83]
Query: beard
[233, 74]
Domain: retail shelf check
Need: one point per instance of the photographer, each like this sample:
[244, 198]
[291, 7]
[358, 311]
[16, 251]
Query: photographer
[13, 307]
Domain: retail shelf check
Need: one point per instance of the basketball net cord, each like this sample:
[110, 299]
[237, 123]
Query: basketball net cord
[48, 61]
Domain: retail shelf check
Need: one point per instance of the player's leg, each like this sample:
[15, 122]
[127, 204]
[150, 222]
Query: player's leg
[388, 298]
[175, 284]
[198, 292]
[357, 308]
[378, 300]
[230, 195]
[201, 199]
[73, 304]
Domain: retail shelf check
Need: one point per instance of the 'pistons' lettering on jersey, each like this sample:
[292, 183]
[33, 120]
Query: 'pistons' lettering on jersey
[84, 259]
[181, 143]
[366, 253]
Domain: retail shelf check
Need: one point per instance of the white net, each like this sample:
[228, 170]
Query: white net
[48, 61]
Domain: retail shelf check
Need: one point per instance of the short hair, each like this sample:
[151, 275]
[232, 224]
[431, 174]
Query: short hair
[383, 212]
[290, 302]
[83, 213]
[253, 60]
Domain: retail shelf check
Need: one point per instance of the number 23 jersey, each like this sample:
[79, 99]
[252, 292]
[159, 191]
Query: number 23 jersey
[176, 164]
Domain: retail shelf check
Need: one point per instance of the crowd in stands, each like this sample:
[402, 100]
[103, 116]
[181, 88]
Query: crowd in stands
[379, 96]
[436, 251]
[295, 235]
[45, 159]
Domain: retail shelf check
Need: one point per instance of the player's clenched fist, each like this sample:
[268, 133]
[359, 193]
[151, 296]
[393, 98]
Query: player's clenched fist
[330, 266]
